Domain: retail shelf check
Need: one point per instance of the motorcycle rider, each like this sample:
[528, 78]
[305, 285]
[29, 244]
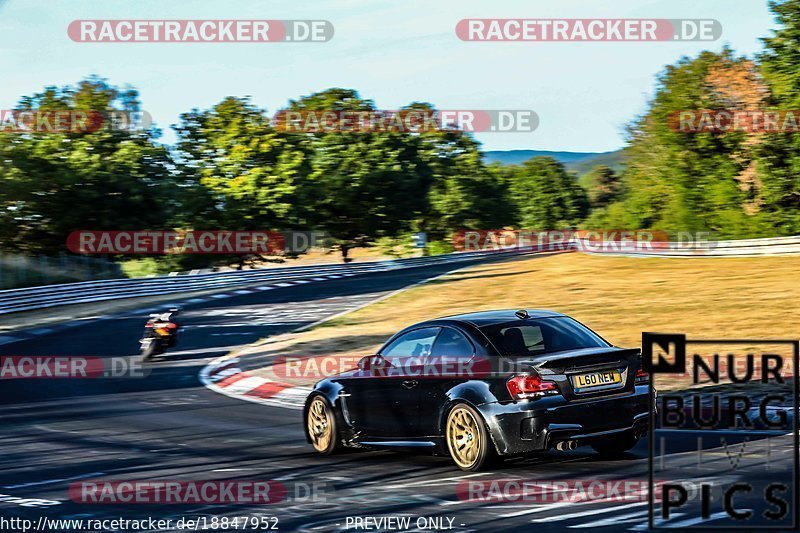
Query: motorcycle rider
[151, 345]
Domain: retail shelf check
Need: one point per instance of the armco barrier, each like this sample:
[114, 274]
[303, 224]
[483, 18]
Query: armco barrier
[16, 300]
[28, 299]
[737, 248]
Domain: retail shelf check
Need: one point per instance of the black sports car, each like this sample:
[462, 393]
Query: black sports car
[485, 385]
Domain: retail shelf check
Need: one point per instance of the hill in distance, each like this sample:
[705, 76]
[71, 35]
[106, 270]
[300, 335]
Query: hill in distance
[578, 162]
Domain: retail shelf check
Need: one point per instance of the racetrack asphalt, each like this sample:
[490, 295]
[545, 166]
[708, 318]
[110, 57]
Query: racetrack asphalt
[168, 426]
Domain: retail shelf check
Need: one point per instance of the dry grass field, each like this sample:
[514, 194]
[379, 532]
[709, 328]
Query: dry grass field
[619, 297]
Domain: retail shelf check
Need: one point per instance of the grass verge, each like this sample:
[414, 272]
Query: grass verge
[619, 297]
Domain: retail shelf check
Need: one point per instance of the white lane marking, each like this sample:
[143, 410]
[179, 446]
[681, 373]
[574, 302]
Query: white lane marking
[658, 522]
[195, 300]
[28, 502]
[49, 481]
[541, 509]
[303, 281]
[590, 512]
[317, 279]
[293, 396]
[617, 519]
[245, 385]
[41, 331]
[436, 481]
[264, 288]
[698, 520]
[6, 339]
[284, 284]
[219, 296]
[243, 291]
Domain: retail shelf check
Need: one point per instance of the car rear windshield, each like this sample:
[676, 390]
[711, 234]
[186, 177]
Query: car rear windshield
[536, 336]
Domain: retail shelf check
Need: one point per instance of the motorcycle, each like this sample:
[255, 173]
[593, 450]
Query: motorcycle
[160, 333]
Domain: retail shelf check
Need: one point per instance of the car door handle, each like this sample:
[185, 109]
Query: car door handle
[410, 384]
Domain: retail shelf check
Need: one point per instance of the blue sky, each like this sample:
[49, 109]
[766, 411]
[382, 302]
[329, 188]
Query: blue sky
[392, 52]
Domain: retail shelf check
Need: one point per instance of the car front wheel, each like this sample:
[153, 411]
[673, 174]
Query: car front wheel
[321, 424]
[468, 440]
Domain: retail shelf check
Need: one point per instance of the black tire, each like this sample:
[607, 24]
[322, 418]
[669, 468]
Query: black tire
[468, 440]
[321, 426]
[150, 351]
[614, 446]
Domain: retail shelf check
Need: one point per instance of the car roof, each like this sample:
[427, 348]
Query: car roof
[488, 318]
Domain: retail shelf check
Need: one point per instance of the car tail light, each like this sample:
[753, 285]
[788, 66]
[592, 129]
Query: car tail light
[530, 386]
[642, 377]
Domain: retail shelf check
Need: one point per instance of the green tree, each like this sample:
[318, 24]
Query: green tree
[238, 171]
[465, 192]
[779, 159]
[547, 197]
[602, 186]
[689, 181]
[361, 185]
[54, 183]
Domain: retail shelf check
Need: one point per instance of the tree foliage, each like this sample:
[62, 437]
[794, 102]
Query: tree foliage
[54, 183]
[546, 196]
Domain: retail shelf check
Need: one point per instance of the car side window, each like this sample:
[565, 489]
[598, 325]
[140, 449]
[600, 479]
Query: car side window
[416, 343]
[452, 343]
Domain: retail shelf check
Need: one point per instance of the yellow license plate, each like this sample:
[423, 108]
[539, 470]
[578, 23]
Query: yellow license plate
[596, 379]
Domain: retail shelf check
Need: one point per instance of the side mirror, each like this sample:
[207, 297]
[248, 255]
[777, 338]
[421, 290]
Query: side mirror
[366, 363]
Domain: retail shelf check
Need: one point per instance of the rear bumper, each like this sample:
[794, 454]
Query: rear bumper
[537, 425]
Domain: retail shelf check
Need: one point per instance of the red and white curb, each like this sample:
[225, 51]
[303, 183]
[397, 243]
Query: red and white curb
[224, 376]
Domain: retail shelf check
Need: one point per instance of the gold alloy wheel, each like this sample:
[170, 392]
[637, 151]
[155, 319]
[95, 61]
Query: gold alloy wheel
[319, 425]
[463, 437]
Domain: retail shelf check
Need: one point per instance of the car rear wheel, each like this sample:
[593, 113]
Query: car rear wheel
[616, 445]
[321, 424]
[468, 440]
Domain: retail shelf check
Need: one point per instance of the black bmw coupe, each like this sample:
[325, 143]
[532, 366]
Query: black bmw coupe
[482, 386]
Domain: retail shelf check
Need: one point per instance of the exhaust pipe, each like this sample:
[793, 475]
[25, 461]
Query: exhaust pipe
[565, 445]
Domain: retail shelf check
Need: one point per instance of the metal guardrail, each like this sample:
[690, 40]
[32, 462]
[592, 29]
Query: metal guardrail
[734, 248]
[28, 299]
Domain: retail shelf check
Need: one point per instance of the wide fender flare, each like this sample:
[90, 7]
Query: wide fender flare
[329, 391]
[475, 394]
